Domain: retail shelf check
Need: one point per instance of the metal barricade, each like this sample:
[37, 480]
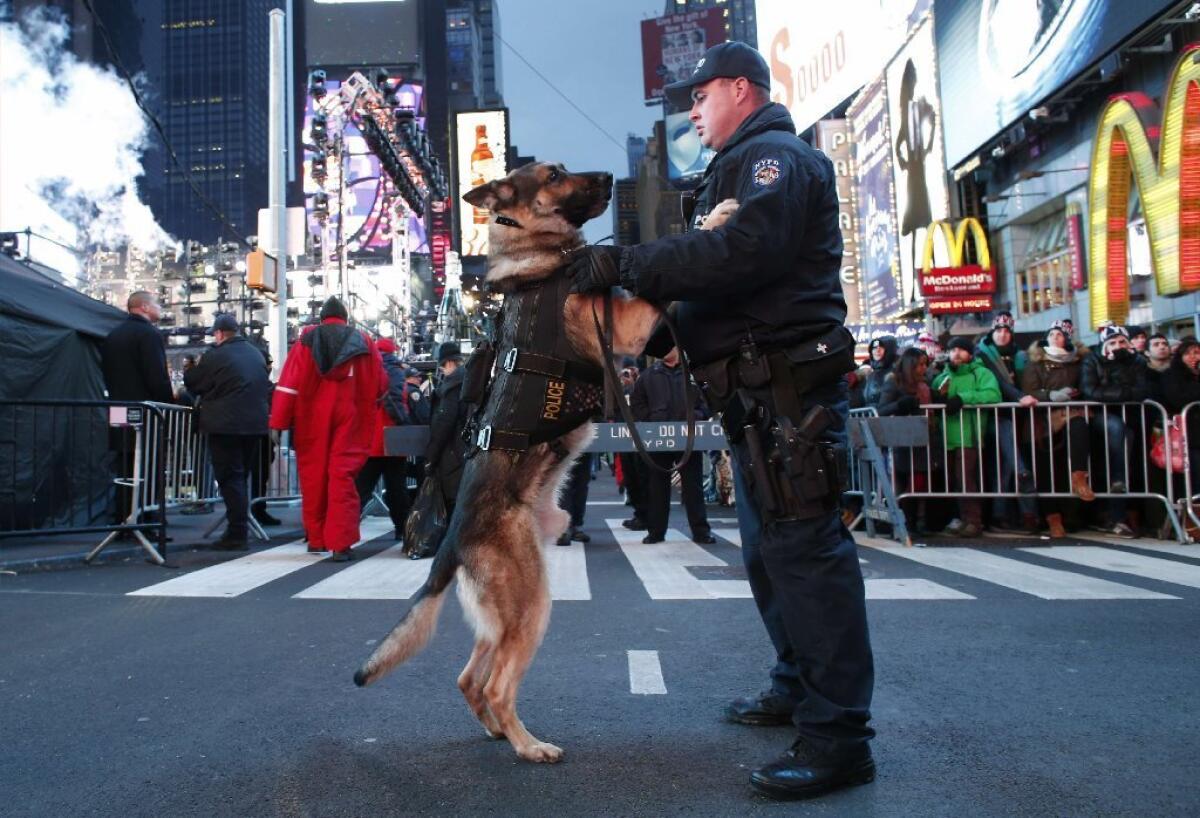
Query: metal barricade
[1036, 451]
[80, 467]
[1191, 467]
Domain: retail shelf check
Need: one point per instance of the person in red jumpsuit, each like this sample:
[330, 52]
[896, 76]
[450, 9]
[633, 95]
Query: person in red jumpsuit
[328, 395]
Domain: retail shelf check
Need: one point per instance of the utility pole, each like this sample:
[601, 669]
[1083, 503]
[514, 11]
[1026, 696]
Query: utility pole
[277, 140]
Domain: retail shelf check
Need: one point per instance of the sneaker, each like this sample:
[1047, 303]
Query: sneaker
[806, 772]
[767, 709]
[954, 528]
[1122, 530]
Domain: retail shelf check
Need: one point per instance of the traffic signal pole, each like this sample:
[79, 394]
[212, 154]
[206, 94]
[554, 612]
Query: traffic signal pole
[277, 140]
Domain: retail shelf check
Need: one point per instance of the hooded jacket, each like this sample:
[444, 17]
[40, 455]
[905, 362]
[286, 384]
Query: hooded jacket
[873, 388]
[770, 273]
[1044, 374]
[1180, 387]
[975, 384]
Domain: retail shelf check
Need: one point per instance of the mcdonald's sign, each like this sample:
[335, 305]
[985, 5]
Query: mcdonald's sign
[959, 287]
[1161, 152]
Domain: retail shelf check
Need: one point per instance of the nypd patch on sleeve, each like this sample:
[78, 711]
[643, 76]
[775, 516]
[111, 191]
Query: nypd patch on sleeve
[766, 172]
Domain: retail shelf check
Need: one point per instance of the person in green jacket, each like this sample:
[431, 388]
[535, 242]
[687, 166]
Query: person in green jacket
[966, 382]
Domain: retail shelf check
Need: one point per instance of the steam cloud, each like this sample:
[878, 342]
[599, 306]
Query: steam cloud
[71, 141]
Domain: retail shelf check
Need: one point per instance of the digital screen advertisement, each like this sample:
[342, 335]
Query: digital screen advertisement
[878, 250]
[481, 156]
[686, 157]
[368, 194]
[1000, 59]
[361, 33]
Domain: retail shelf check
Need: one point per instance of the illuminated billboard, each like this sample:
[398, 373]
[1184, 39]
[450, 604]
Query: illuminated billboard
[369, 193]
[878, 248]
[672, 45]
[481, 155]
[833, 139]
[999, 60]
[918, 160]
[820, 58]
[686, 157]
[361, 33]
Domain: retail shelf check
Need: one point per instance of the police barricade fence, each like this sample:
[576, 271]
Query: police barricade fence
[1022, 453]
[1191, 468]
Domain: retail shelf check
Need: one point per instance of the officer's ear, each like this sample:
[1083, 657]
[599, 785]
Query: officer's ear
[487, 196]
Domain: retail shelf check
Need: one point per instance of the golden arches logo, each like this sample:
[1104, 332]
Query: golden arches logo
[955, 242]
[1162, 154]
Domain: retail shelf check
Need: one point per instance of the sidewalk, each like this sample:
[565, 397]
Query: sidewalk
[186, 531]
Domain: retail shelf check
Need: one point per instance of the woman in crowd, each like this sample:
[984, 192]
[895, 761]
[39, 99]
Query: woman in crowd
[1051, 375]
[1181, 387]
[905, 391]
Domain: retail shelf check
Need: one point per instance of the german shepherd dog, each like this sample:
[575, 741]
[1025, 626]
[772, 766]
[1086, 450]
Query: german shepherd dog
[507, 507]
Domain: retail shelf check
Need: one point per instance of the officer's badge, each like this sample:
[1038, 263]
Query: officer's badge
[767, 172]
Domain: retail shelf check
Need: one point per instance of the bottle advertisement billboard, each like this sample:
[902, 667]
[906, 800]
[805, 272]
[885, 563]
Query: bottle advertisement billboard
[481, 156]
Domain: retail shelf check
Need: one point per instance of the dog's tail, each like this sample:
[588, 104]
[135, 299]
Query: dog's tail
[413, 632]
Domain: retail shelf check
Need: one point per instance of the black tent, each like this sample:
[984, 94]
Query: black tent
[55, 467]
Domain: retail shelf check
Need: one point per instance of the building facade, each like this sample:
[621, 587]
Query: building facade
[740, 24]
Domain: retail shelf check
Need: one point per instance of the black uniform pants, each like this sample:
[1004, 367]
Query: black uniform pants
[658, 491]
[633, 472]
[808, 586]
[573, 499]
[232, 458]
[394, 471]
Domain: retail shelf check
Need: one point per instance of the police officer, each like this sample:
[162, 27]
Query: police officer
[760, 315]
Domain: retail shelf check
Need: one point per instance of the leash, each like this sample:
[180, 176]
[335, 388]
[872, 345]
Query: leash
[612, 385]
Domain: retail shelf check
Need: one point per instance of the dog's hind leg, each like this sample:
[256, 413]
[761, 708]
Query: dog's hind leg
[472, 680]
[520, 636]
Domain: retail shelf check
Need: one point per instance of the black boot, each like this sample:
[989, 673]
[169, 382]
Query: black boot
[262, 516]
[805, 772]
[767, 709]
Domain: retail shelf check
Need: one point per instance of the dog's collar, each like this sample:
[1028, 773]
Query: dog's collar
[507, 222]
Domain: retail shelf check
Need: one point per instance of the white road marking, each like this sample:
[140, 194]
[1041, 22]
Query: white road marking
[236, 577]
[387, 575]
[606, 503]
[1046, 583]
[910, 589]
[566, 567]
[1189, 551]
[732, 534]
[663, 567]
[645, 673]
[1122, 562]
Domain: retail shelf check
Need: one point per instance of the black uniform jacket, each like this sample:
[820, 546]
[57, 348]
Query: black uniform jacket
[447, 451]
[772, 271]
[234, 389]
[134, 362]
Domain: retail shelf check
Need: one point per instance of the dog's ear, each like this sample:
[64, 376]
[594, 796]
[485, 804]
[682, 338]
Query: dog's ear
[499, 192]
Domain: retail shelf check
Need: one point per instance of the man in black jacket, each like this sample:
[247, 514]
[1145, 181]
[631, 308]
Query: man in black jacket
[660, 394]
[447, 451]
[393, 470]
[759, 308]
[234, 389]
[1116, 376]
[133, 359]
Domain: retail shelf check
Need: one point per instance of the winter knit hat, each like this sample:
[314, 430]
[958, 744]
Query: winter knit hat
[960, 342]
[1003, 320]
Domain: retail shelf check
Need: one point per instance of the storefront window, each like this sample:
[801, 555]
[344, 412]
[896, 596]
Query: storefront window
[1045, 278]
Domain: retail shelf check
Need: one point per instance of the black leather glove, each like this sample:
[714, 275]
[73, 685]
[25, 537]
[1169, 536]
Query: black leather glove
[954, 405]
[908, 404]
[596, 268]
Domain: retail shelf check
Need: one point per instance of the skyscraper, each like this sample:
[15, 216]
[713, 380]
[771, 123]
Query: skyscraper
[211, 94]
[740, 25]
[474, 65]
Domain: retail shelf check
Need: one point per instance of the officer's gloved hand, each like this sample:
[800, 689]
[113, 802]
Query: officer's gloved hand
[954, 405]
[596, 268]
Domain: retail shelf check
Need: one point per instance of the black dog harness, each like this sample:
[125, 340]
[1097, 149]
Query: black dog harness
[535, 397]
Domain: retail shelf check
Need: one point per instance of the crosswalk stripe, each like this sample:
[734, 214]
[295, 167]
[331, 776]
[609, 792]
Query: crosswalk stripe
[236, 577]
[1122, 562]
[1189, 551]
[878, 588]
[645, 673]
[387, 575]
[663, 567]
[566, 568]
[1037, 580]
[731, 534]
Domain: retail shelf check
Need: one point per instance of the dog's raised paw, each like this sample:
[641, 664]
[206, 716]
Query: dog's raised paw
[541, 753]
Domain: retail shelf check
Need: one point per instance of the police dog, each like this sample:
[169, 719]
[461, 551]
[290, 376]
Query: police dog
[507, 507]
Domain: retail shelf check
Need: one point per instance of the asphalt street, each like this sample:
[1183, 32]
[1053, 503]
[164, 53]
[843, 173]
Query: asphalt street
[1009, 682]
